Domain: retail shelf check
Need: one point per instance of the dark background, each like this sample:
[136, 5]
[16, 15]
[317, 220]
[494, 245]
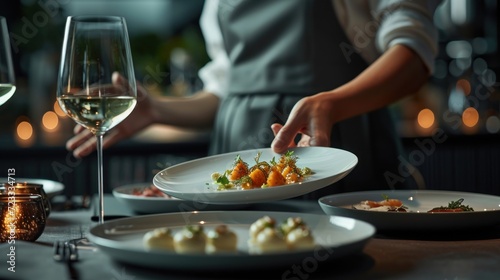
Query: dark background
[456, 147]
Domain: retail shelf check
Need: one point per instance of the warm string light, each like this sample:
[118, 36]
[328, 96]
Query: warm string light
[24, 130]
[470, 117]
[50, 121]
[425, 118]
[58, 110]
[24, 134]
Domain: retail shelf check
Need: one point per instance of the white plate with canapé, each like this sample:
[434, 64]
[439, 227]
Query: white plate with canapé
[122, 240]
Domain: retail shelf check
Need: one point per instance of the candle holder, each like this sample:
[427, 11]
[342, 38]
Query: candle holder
[28, 188]
[22, 217]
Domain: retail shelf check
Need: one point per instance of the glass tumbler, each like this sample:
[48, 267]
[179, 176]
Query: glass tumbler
[28, 188]
[22, 217]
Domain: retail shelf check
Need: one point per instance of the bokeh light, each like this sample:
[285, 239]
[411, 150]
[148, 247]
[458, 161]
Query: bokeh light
[493, 124]
[470, 117]
[50, 120]
[425, 118]
[58, 110]
[464, 86]
[24, 130]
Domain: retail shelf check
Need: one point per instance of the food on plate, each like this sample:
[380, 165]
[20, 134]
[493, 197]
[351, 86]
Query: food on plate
[300, 238]
[385, 205]
[453, 206]
[150, 191]
[297, 234]
[261, 174]
[265, 236]
[291, 234]
[191, 239]
[259, 225]
[160, 238]
[396, 205]
[268, 240]
[221, 239]
[290, 224]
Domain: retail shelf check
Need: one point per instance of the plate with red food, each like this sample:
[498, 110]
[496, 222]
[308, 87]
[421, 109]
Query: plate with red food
[257, 175]
[145, 198]
[416, 209]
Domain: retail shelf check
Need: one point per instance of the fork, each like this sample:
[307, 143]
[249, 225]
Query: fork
[65, 251]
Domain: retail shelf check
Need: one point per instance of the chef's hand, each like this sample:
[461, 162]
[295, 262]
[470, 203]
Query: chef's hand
[311, 118]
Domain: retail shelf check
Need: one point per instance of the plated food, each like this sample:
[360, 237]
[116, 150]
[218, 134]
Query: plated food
[221, 239]
[191, 180]
[261, 174]
[396, 205]
[453, 207]
[291, 234]
[385, 205]
[123, 240]
[159, 238]
[192, 239]
[149, 191]
[418, 202]
[265, 236]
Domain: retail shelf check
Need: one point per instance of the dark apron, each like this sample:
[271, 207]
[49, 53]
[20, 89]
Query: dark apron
[280, 52]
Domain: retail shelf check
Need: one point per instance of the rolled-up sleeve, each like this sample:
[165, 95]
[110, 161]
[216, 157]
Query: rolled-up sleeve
[214, 74]
[409, 23]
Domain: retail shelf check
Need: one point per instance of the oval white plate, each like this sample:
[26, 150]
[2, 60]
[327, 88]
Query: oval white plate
[192, 180]
[122, 240]
[52, 188]
[486, 209]
[155, 205]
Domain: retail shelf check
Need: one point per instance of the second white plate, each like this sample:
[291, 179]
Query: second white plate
[156, 205]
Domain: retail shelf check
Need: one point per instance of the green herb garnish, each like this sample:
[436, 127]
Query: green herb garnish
[458, 204]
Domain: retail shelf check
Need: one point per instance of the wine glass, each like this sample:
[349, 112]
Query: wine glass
[96, 82]
[7, 78]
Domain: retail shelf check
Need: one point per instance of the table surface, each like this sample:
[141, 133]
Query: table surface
[456, 255]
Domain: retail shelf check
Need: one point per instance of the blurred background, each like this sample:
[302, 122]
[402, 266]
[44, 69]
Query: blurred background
[450, 129]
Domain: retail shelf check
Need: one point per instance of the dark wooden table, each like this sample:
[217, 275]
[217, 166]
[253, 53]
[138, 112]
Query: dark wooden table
[415, 255]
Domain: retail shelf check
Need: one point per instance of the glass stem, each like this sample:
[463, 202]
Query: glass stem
[100, 178]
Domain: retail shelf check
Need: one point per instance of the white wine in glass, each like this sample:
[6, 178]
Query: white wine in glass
[96, 81]
[7, 76]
